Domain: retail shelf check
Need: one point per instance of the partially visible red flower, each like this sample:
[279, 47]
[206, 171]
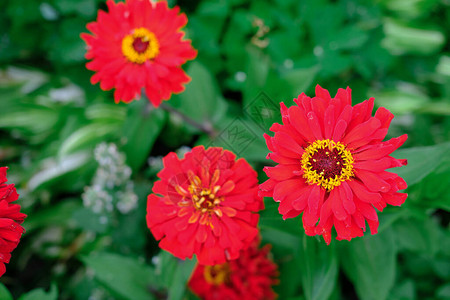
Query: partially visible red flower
[208, 205]
[251, 276]
[139, 44]
[331, 164]
[10, 220]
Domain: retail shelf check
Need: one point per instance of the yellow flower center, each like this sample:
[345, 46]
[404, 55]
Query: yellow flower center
[203, 197]
[140, 46]
[217, 274]
[327, 164]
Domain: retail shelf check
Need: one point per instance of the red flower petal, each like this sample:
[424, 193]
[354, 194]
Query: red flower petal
[208, 205]
[159, 74]
[331, 164]
[10, 220]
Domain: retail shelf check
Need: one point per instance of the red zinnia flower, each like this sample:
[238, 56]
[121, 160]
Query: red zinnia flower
[208, 207]
[10, 218]
[332, 164]
[139, 44]
[251, 277]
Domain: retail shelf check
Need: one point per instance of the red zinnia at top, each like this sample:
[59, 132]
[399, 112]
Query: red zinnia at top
[250, 277]
[10, 220]
[208, 205]
[139, 44]
[331, 164]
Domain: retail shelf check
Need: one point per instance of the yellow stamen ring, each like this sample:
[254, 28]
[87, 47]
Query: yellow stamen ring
[327, 164]
[140, 46]
[217, 274]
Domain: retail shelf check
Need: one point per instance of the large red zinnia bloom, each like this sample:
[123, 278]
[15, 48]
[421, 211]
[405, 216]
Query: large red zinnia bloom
[208, 205]
[331, 164]
[251, 276]
[139, 44]
[10, 220]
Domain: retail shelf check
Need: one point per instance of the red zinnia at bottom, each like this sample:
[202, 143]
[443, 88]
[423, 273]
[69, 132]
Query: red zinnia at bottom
[10, 220]
[249, 277]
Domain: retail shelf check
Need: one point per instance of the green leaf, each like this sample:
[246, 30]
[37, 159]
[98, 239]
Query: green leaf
[90, 221]
[349, 38]
[174, 274]
[403, 291]
[417, 235]
[35, 120]
[141, 129]
[319, 271]
[399, 102]
[443, 293]
[299, 80]
[103, 111]
[278, 232]
[370, 263]
[421, 161]
[56, 168]
[125, 277]
[4, 293]
[257, 71]
[86, 136]
[181, 276]
[40, 294]
[201, 100]
[55, 215]
[401, 39]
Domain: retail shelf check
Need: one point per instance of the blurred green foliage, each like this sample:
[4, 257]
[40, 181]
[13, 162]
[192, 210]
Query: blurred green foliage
[252, 54]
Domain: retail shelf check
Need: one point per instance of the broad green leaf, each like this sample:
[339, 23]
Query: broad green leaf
[54, 215]
[4, 293]
[370, 263]
[319, 269]
[125, 277]
[421, 161]
[180, 278]
[443, 293]
[82, 7]
[417, 235]
[88, 135]
[443, 66]
[401, 39]
[410, 8]
[389, 216]
[299, 80]
[90, 221]
[241, 136]
[433, 192]
[399, 102]
[141, 128]
[30, 80]
[403, 291]
[201, 100]
[349, 38]
[290, 281]
[174, 274]
[103, 111]
[257, 71]
[34, 120]
[40, 294]
[56, 168]
[279, 237]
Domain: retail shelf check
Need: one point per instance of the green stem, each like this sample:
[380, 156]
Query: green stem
[206, 128]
